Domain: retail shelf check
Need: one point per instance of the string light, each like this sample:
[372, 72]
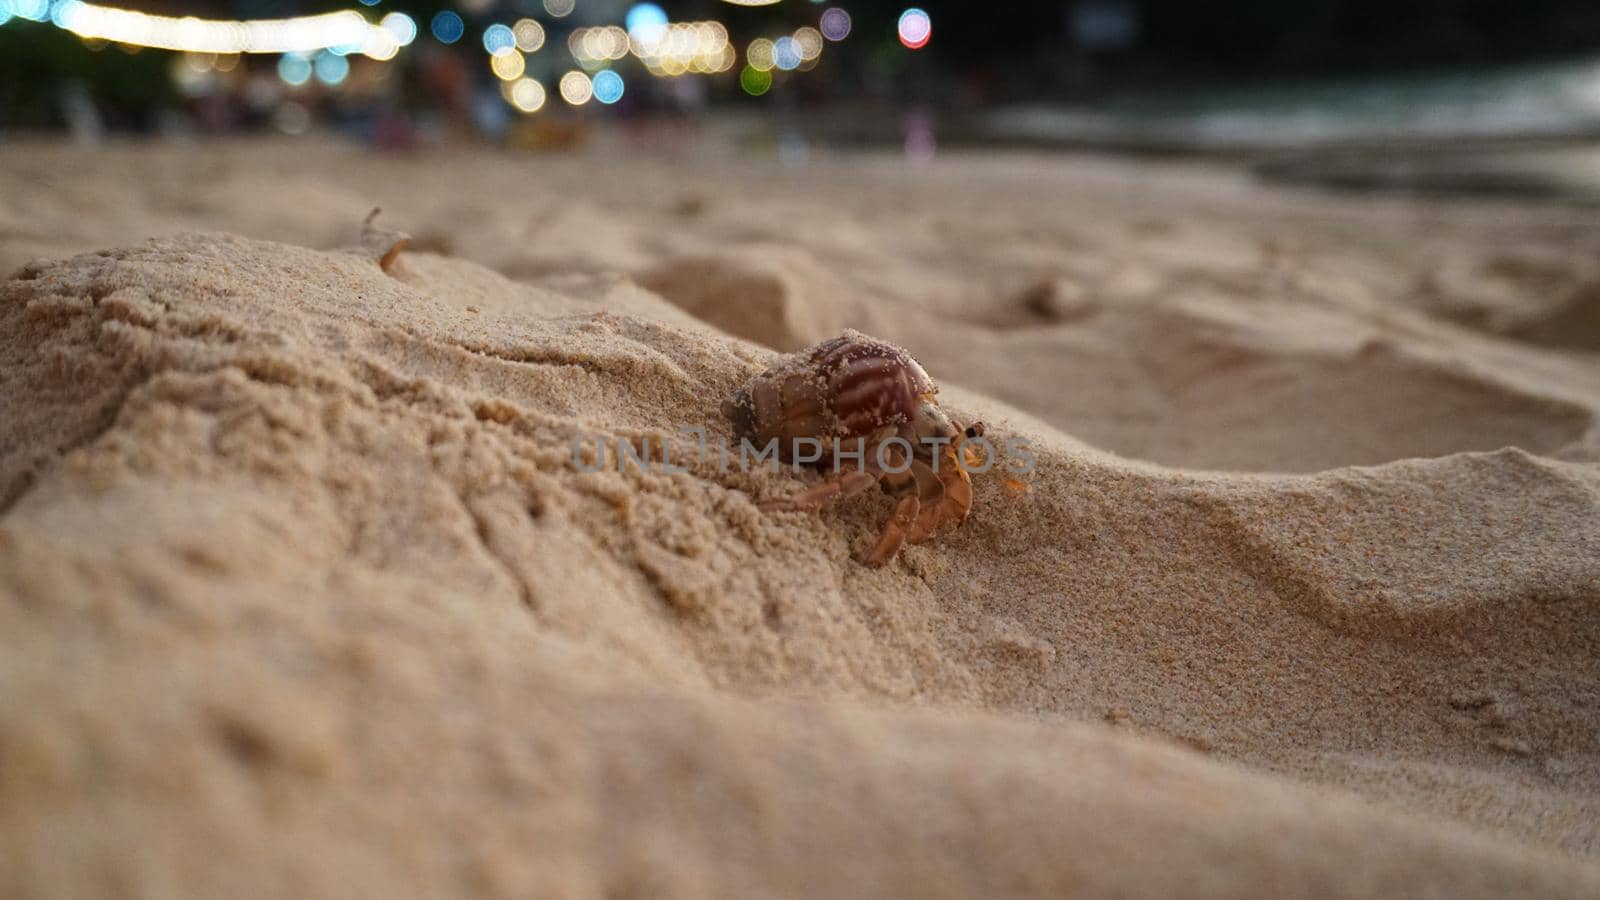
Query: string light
[317, 45]
[304, 34]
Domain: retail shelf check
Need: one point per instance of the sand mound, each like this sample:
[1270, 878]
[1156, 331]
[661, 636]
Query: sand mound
[1532, 295]
[1213, 382]
[301, 590]
[775, 297]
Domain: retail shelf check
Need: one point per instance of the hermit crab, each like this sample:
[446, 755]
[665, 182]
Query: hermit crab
[864, 412]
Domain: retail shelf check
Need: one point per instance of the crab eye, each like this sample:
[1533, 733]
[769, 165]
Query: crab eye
[974, 430]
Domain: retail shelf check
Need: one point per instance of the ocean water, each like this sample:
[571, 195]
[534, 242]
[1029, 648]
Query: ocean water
[1530, 101]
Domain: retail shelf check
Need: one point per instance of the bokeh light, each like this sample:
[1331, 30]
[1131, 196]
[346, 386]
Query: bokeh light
[786, 53]
[759, 55]
[447, 27]
[915, 28]
[381, 45]
[646, 22]
[294, 69]
[607, 86]
[681, 48]
[835, 24]
[331, 69]
[529, 34]
[809, 40]
[132, 30]
[35, 10]
[593, 46]
[401, 26]
[576, 88]
[526, 94]
[755, 81]
[559, 8]
[508, 66]
[190, 72]
[498, 39]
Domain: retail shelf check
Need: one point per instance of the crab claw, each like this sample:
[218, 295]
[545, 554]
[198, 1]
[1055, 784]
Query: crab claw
[972, 457]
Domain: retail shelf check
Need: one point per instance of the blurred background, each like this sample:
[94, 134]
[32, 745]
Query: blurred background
[1453, 95]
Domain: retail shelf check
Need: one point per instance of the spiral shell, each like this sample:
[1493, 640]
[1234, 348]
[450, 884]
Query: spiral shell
[847, 387]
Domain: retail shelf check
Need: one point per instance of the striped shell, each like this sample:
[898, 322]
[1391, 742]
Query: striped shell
[846, 387]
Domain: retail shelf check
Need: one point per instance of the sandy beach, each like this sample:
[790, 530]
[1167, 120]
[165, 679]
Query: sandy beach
[302, 591]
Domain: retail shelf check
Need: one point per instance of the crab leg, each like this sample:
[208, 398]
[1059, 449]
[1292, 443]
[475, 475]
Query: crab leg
[957, 490]
[894, 531]
[847, 484]
[930, 493]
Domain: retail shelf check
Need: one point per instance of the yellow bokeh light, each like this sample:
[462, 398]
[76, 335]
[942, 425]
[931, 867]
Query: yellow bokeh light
[381, 46]
[616, 42]
[759, 55]
[559, 8]
[576, 88]
[508, 66]
[592, 44]
[526, 94]
[529, 34]
[677, 49]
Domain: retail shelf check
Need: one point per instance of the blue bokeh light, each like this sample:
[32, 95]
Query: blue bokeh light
[294, 69]
[498, 38]
[786, 53]
[36, 10]
[63, 11]
[447, 27]
[607, 86]
[645, 15]
[331, 69]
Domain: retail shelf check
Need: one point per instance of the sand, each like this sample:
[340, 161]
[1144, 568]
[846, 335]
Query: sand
[301, 591]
